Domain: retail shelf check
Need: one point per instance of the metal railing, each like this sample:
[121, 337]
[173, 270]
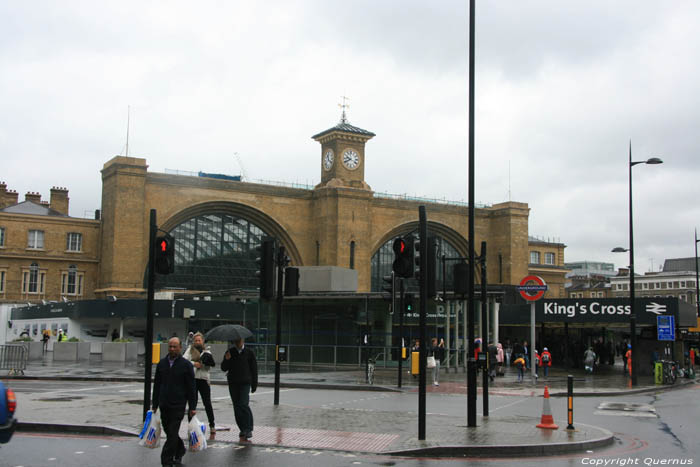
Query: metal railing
[13, 357]
[335, 357]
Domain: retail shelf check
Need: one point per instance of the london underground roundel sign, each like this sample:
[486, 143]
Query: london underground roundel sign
[530, 291]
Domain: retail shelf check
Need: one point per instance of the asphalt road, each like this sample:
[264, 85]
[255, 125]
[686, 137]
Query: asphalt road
[650, 429]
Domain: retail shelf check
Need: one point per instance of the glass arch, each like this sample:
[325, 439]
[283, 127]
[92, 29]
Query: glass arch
[384, 257]
[215, 251]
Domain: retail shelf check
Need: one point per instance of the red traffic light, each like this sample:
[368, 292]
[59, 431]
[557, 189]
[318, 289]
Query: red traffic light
[164, 245]
[399, 246]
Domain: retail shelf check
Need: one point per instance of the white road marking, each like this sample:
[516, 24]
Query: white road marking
[254, 394]
[64, 391]
[507, 405]
[80, 452]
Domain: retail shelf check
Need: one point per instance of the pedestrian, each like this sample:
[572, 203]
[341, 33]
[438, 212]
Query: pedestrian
[546, 361]
[188, 341]
[692, 358]
[628, 357]
[61, 336]
[520, 365]
[202, 360]
[493, 360]
[438, 352]
[173, 388]
[589, 359]
[500, 358]
[623, 353]
[518, 350]
[537, 363]
[526, 354]
[45, 340]
[242, 378]
[508, 349]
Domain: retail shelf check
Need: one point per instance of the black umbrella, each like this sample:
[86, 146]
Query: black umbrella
[228, 332]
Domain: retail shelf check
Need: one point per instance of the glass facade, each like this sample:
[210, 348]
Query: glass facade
[215, 252]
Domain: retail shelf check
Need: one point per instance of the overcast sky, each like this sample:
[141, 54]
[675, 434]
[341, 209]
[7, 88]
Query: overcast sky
[561, 89]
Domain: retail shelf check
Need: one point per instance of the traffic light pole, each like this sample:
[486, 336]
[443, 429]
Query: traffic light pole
[485, 330]
[401, 343]
[423, 231]
[148, 338]
[280, 263]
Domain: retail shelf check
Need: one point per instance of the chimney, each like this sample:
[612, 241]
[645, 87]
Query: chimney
[7, 197]
[33, 197]
[59, 199]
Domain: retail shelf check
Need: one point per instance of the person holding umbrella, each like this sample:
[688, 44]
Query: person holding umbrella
[239, 361]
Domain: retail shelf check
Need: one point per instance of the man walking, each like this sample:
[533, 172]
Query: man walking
[173, 388]
[242, 378]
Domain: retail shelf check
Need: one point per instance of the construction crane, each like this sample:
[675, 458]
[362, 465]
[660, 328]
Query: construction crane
[244, 175]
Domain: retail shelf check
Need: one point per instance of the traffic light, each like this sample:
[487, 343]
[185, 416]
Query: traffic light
[388, 287]
[461, 278]
[403, 256]
[431, 265]
[266, 267]
[291, 282]
[408, 302]
[165, 254]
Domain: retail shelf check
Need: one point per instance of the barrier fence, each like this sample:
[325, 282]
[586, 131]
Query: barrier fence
[13, 358]
[343, 356]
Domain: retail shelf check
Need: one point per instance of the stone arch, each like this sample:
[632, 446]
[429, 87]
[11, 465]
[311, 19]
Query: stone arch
[264, 221]
[447, 233]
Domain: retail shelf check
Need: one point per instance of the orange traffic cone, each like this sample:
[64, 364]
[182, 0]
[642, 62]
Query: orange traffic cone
[547, 421]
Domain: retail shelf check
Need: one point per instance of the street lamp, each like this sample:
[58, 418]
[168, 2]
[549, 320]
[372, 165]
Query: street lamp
[633, 316]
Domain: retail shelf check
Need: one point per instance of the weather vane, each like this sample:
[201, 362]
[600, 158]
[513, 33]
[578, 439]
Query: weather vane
[344, 106]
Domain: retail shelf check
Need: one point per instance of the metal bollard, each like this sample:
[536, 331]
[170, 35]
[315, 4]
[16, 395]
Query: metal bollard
[570, 402]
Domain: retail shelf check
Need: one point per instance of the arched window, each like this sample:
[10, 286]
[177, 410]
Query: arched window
[384, 257]
[33, 279]
[215, 252]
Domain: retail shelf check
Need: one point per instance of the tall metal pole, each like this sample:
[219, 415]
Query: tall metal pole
[697, 276]
[278, 305]
[148, 338]
[485, 331]
[423, 282]
[402, 304]
[471, 363]
[633, 315]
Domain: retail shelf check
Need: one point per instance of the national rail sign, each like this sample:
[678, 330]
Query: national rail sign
[532, 292]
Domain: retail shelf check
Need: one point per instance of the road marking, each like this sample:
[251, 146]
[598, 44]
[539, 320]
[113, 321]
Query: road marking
[507, 405]
[254, 394]
[80, 452]
[63, 391]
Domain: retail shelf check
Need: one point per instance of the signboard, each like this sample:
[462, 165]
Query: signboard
[666, 328]
[532, 292]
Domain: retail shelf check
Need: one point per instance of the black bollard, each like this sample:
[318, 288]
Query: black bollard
[570, 402]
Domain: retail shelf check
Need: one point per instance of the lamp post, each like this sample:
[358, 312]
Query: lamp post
[633, 316]
[697, 276]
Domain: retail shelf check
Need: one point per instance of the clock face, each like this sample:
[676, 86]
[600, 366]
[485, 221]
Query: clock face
[328, 159]
[351, 159]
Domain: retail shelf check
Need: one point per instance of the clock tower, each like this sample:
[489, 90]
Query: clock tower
[343, 155]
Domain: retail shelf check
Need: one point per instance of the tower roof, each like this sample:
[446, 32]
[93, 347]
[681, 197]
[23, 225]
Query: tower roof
[345, 128]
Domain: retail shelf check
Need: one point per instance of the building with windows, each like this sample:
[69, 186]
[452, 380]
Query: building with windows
[546, 259]
[45, 254]
[589, 279]
[673, 284]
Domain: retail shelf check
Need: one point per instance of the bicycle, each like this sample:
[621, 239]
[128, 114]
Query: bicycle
[669, 372]
[371, 363]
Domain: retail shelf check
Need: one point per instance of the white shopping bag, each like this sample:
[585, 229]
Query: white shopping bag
[196, 432]
[150, 435]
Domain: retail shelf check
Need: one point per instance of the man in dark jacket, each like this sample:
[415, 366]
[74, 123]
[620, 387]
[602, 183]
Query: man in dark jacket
[242, 377]
[173, 388]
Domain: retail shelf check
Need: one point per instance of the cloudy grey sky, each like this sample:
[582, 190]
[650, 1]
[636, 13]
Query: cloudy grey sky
[561, 89]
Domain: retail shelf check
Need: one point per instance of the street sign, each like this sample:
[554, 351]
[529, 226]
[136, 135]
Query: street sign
[666, 328]
[532, 292]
